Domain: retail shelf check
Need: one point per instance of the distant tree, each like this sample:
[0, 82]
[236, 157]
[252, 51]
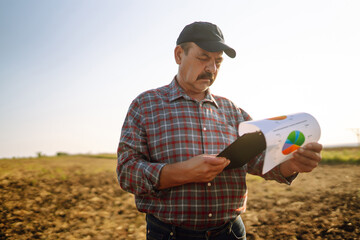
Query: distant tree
[61, 154]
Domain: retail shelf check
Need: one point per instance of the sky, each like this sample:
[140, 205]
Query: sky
[70, 69]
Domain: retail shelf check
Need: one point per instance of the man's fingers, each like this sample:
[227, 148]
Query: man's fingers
[306, 155]
[305, 159]
[314, 146]
[306, 166]
[216, 165]
[215, 161]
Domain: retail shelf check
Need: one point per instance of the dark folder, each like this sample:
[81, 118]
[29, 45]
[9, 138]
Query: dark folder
[243, 149]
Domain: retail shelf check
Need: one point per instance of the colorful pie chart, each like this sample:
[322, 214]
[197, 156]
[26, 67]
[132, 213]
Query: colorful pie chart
[293, 142]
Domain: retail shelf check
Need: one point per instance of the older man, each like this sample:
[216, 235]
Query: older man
[169, 142]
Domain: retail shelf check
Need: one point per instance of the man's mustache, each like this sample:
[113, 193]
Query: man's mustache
[207, 75]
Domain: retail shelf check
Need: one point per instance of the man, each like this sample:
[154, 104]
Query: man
[169, 142]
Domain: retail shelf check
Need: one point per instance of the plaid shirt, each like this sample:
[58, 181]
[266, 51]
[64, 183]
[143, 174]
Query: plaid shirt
[165, 126]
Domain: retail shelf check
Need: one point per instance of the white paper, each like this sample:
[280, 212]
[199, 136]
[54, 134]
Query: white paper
[283, 135]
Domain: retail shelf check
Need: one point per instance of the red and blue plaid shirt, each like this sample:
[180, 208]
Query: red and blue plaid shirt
[165, 126]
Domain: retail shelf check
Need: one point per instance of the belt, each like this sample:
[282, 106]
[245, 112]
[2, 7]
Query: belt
[182, 232]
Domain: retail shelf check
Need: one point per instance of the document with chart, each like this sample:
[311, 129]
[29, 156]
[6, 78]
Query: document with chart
[278, 136]
[283, 135]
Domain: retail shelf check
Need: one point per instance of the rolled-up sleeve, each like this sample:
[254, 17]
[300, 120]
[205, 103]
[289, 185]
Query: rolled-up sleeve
[135, 171]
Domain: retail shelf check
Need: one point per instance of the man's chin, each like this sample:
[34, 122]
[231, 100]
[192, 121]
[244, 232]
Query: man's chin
[204, 84]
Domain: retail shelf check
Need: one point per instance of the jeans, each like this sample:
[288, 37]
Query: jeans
[158, 230]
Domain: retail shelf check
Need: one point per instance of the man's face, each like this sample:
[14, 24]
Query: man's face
[197, 69]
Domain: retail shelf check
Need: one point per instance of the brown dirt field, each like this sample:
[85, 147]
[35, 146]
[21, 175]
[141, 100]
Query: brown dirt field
[70, 202]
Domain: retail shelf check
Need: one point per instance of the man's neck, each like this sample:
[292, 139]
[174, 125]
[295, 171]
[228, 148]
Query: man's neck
[194, 95]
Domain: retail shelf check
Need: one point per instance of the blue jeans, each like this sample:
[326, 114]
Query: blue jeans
[158, 230]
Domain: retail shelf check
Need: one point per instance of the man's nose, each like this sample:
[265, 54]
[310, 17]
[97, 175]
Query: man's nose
[211, 67]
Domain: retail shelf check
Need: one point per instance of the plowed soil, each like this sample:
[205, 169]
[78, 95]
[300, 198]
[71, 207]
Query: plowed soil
[68, 201]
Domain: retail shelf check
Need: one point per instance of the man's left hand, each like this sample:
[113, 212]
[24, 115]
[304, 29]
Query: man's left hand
[305, 159]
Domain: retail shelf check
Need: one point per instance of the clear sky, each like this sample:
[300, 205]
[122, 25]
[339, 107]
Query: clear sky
[70, 69]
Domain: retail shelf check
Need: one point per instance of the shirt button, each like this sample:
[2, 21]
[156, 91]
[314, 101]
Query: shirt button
[209, 184]
[210, 215]
[204, 129]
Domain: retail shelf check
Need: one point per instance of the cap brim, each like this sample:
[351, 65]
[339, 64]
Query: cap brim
[217, 47]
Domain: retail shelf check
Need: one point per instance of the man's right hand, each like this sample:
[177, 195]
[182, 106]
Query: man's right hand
[202, 168]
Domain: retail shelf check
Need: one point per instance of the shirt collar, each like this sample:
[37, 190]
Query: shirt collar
[176, 92]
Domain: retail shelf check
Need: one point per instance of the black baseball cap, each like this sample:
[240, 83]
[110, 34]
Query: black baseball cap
[207, 36]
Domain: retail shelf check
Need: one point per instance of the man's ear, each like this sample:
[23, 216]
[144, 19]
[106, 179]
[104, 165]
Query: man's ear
[178, 53]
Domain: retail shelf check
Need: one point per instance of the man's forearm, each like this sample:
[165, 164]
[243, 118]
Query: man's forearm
[202, 168]
[172, 175]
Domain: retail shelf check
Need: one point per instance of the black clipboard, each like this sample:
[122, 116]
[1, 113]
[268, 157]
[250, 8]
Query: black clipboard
[243, 149]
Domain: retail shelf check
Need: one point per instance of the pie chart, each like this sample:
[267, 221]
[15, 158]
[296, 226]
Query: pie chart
[293, 142]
